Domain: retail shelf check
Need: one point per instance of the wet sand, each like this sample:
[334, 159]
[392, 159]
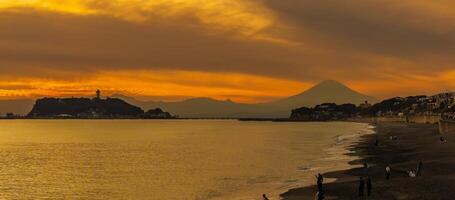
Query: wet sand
[415, 142]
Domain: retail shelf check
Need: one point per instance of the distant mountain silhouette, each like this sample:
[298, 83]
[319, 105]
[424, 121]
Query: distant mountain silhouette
[325, 92]
[16, 106]
[205, 108]
[329, 91]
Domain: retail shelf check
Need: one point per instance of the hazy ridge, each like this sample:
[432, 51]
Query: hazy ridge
[325, 92]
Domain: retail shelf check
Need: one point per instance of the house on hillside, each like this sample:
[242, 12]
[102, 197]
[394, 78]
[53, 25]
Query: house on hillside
[365, 105]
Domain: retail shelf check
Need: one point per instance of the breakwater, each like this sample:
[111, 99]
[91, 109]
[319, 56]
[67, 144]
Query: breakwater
[446, 126]
[423, 119]
[419, 119]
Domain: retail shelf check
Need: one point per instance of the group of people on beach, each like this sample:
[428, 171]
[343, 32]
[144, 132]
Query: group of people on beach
[365, 181]
[362, 183]
[442, 139]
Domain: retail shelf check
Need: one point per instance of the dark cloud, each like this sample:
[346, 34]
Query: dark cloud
[69, 42]
[44, 43]
[388, 29]
[334, 39]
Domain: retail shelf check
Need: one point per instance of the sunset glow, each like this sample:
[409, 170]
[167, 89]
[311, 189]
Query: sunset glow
[160, 84]
[244, 50]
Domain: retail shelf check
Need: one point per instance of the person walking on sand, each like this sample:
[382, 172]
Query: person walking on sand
[369, 186]
[361, 187]
[387, 172]
[320, 180]
[419, 169]
[264, 197]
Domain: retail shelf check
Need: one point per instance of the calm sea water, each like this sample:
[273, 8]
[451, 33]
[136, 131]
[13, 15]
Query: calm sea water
[147, 159]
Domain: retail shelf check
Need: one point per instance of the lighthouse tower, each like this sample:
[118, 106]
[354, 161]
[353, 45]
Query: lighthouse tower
[98, 94]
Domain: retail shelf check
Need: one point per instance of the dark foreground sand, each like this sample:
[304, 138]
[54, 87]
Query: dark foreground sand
[416, 142]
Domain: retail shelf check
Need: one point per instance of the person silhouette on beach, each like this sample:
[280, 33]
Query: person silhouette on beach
[419, 169]
[387, 172]
[369, 186]
[361, 187]
[320, 180]
[365, 167]
[264, 197]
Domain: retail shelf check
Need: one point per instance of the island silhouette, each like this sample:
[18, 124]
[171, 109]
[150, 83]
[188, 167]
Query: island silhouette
[92, 108]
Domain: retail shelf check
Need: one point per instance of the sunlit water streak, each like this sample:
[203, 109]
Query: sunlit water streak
[181, 159]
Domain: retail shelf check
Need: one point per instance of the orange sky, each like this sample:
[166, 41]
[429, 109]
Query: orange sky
[167, 85]
[243, 50]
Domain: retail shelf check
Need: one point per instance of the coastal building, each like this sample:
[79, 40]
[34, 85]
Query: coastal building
[443, 100]
[10, 115]
[63, 116]
[452, 101]
[324, 112]
[430, 107]
[365, 105]
[422, 99]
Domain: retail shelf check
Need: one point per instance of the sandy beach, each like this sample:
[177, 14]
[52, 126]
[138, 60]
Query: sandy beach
[414, 143]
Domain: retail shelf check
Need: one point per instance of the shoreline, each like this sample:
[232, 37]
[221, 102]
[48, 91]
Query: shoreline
[416, 142]
[334, 157]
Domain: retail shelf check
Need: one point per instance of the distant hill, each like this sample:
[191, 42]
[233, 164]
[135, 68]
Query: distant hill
[206, 108]
[324, 92]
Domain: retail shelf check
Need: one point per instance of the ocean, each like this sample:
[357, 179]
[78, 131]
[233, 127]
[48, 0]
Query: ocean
[167, 159]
